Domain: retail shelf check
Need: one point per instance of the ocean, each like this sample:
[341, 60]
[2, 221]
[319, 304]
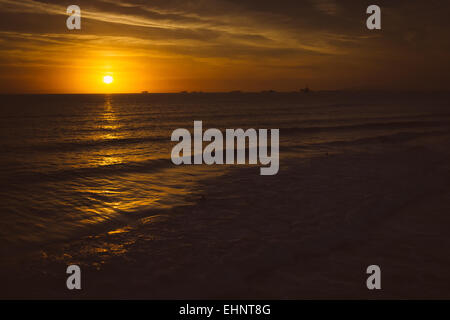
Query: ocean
[72, 165]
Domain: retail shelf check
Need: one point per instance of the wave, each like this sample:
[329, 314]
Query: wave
[87, 144]
[148, 166]
[390, 138]
[368, 126]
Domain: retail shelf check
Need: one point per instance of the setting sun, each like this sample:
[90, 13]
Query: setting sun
[108, 79]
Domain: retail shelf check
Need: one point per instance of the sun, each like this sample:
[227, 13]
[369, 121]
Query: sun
[108, 79]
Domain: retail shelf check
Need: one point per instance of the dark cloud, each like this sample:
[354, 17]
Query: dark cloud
[327, 36]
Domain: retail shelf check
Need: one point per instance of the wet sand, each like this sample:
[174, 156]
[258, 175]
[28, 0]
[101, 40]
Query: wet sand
[308, 232]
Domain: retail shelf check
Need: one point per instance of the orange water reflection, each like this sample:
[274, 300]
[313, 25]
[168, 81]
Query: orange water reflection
[110, 131]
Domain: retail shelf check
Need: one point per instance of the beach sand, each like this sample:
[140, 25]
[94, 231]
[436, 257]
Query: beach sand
[309, 232]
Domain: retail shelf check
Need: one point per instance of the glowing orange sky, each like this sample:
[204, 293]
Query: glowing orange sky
[221, 45]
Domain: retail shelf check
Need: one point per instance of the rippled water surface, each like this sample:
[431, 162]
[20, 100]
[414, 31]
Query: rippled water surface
[71, 162]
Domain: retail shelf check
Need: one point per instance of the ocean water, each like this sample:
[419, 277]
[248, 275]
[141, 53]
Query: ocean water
[70, 164]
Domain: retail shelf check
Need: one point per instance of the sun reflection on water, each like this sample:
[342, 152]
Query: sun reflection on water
[110, 131]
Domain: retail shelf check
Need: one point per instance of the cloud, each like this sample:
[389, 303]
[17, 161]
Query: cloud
[326, 6]
[210, 20]
[326, 37]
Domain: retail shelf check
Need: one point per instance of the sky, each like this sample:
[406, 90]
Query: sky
[223, 45]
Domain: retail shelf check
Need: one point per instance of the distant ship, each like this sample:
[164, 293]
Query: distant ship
[144, 92]
[305, 90]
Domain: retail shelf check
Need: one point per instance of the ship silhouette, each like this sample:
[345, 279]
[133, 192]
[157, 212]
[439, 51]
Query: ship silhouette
[305, 89]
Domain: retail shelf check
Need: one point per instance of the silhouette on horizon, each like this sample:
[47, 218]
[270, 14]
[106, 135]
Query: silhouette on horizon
[305, 89]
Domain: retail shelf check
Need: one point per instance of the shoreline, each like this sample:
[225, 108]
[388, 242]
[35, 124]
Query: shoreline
[266, 238]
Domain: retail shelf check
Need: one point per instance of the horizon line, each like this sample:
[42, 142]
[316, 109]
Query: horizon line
[224, 92]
